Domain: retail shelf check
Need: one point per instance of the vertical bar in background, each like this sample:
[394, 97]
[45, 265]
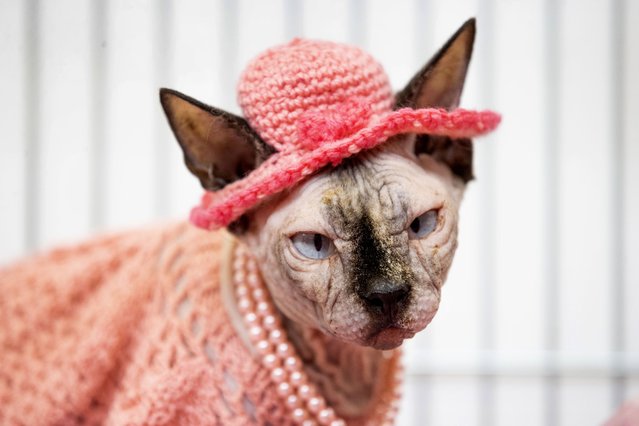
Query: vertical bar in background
[486, 157]
[14, 33]
[423, 30]
[585, 212]
[32, 165]
[263, 26]
[162, 144]
[131, 105]
[551, 184]
[393, 41]
[197, 68]
[326, 20]
[617, 243]
[98, 111]
[230, 35]
[293, 19]
[413, 409]
[630, 159]
[65, 103]
[358, 31]
[520, 204]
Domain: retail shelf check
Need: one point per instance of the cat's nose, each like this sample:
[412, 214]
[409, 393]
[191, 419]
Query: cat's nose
[385, 298]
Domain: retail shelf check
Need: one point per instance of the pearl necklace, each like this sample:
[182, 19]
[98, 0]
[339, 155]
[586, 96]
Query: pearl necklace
[306, 405]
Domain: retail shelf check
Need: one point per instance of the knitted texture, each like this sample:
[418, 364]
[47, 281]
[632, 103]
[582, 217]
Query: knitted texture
[318, 103]
[127, 330]
[286, 81]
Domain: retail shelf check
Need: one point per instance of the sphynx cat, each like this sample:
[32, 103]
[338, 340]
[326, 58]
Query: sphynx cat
[356, 256]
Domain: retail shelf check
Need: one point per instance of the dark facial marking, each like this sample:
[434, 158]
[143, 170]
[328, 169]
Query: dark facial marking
[377, 266]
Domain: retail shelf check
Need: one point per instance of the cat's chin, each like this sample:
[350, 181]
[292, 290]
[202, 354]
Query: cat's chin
[389, 338]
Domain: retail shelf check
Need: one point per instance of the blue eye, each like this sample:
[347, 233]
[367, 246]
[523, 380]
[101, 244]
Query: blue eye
[423, 225]
[313, 246]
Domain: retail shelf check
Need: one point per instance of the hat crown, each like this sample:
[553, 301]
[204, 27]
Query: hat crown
[286, 83]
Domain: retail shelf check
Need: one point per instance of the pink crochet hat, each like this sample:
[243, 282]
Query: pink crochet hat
[318, 103]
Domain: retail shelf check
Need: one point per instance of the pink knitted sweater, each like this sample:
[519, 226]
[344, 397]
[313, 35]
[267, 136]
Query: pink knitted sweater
[128, 330]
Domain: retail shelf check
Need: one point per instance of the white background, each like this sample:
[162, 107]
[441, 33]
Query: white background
[540, 317]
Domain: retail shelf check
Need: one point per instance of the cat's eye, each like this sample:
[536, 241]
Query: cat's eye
[423, 225]
[313, 246]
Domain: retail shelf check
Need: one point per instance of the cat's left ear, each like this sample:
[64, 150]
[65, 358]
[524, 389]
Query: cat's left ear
[441, 81]
[439, 84]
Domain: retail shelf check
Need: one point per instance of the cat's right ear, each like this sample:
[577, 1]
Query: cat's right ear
[219, 147]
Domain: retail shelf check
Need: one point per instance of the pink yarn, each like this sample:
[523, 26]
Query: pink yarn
[318, 103]
[333, 123]
[286, 81]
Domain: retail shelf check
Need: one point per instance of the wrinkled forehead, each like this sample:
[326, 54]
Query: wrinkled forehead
[370, 190]
[383, 189]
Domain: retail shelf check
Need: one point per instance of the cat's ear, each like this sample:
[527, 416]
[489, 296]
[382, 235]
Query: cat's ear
[218, 147]
[439, 84]
[441, 81]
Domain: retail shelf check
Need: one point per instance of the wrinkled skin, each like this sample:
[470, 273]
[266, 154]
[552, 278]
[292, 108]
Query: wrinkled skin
[390, 187]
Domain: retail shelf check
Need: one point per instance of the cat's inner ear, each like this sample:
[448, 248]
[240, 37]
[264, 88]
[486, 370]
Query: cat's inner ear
[218, 147]
[439, 84]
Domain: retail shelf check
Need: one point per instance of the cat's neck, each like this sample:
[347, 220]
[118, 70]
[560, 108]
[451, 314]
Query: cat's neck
[346, 374]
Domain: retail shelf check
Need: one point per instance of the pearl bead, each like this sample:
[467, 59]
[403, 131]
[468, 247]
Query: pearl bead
[284, 389]
[256, 333]
[284, 350]
[263, 309]
[299, 414]
[278, 374]
[315, 404]
[304, 391]
[250, 318]
[269, 322]
[259, 295]
[252, 280]
[296, 378]
[276, 336]
[326, 416]
[241, 290]
[291, 363]
[244, 305]
[338, 422]
[263, 347]
[292, 400]
[270, 360]
[309, 422]
[238, 263]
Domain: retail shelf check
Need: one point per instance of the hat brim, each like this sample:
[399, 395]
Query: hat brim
[285, 169]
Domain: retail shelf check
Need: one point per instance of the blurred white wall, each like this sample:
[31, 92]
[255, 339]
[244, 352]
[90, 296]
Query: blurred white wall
[540, 315]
